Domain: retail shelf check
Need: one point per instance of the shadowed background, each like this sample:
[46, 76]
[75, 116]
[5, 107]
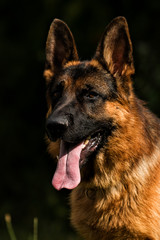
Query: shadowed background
[25, 168]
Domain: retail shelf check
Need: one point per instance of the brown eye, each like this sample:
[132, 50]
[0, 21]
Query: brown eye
[92, 95]
[57, 92]
[88, 95]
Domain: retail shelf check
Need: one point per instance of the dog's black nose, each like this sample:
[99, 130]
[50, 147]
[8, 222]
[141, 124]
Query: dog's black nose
[55, 127]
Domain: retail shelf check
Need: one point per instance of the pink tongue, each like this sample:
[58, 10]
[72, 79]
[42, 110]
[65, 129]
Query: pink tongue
[67, 174]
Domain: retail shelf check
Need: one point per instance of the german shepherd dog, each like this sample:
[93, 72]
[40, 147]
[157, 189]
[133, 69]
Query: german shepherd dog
[107, 140]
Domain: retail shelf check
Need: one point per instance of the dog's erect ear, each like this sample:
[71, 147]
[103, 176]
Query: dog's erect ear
[60, 48]
[115, 48]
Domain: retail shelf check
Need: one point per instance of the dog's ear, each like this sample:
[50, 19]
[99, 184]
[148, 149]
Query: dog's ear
[115, 48]
[60, 48]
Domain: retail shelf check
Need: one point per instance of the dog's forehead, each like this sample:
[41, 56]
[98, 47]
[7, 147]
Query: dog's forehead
[82, 72]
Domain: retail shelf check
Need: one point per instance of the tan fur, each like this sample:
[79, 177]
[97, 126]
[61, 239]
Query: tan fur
[53, 148]
[48, 75]
[72, 63]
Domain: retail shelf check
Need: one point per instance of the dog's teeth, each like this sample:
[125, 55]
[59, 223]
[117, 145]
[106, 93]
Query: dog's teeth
[86, 142]
[83, 146]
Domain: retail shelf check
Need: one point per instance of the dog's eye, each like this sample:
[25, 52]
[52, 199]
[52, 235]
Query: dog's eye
[57, 92]
[91, 95]
[88, 95]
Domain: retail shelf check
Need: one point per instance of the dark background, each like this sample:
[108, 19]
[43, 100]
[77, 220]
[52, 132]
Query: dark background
[25, 168]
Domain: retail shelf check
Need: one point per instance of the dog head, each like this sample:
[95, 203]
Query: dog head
[84, 98]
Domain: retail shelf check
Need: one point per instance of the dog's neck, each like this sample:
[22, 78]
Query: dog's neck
[117, 161]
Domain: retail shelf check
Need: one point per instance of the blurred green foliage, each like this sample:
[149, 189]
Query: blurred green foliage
[26, 170]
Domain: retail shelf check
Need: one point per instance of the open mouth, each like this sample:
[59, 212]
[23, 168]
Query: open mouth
[71, 158]
[89, 146]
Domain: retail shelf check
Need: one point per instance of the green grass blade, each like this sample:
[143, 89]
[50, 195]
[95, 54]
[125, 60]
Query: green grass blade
[35, 229]
[9, 226]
